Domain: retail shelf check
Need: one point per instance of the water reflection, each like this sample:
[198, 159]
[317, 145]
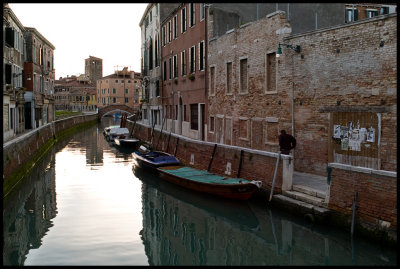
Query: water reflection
[186, 228]
[84, 205]
[28, 214]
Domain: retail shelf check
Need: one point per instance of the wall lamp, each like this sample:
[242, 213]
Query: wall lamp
[295, 48]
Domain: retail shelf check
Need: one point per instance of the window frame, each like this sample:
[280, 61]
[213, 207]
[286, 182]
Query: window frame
[245, 91]
[183, 20]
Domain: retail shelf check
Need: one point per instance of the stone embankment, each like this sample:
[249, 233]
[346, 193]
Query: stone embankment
[21, 154]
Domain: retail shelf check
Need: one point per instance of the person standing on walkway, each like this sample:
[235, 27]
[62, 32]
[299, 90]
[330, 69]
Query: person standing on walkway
[286, 142]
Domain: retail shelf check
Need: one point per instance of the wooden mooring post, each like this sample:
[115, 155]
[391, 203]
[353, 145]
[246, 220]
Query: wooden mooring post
[212, 158]
[354, 213]
[240, 163]
[273, 181]
[176, 146]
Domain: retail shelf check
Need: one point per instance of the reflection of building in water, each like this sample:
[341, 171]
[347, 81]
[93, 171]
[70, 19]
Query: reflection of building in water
[179, 232]
[27, 216]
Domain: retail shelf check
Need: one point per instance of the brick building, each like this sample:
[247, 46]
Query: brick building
[121, 88]
[184, 61]
[13, 74]
[253, 94]
[94, 68]
[362, 11]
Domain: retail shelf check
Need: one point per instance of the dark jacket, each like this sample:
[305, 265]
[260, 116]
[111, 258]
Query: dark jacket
[287, 142]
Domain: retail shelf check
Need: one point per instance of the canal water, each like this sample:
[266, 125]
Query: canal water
[86, 204]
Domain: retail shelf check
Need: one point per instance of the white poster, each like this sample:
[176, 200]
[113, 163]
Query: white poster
[363, 135]
[345, 144]
[371, 135]
[354, 145]
[336, 131]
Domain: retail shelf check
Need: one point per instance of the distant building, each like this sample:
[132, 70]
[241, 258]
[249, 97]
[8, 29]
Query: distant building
[13, 73]
[94, 68]
[121, 88]
[362, 11]
[39, 79]
[75, 94]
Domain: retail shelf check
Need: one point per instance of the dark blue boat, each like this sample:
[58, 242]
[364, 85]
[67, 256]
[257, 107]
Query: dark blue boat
[151, 160]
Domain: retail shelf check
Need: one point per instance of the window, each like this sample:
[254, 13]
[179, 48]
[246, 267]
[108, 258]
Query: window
[129, 81]
[212, 124]
[165, 71]
[192, 59]
[270, 72]
[116, 81]
[271, 131]
[163, 36]
[151, 54]
[184, 113]
[156, 48]
[212, 80]
[243, 128]
[229, 77]
[191, 14]
[126, 99]
[371, 13]
[114, 100]
[384, 10]
[183, 18]
[183, 63]
[243, 75]
[122, 81]
[194, 117]
[349, 15]
[202, 11]
[126, 91]
[170, 68]
[175, 64]
[201, 56]
[176, 27]
[169, 31]
[157, 88]
[114, 91]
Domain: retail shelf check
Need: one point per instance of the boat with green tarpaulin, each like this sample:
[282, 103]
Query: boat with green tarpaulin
[210, 183]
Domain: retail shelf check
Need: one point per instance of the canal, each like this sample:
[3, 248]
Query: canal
[85, 204]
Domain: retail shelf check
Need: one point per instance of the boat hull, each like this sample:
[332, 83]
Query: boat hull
[160, 159]
[239, 191]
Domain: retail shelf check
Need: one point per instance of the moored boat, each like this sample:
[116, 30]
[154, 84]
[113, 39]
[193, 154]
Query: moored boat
[116, 132]
[127, 142]
[151, 160]
[206, 182]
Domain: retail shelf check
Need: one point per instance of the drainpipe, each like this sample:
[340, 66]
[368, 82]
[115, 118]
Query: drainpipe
[293, 85]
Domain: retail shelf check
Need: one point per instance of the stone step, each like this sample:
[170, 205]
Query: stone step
[309, 191]
[299, 206]
[306, 198]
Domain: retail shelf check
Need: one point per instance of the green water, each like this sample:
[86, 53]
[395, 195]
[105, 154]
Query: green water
[85, 204]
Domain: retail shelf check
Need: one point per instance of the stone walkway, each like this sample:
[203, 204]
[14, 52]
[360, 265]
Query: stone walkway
[310, 180]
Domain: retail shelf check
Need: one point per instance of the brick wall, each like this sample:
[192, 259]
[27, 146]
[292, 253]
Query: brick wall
[349, 68]
[377, 195]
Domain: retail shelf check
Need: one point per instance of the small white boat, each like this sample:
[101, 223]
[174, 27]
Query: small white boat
[116, 132]
[126, 142]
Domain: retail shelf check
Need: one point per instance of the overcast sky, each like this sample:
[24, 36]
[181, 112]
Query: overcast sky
[107, 31]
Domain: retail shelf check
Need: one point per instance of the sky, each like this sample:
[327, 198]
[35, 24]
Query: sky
[107, 31]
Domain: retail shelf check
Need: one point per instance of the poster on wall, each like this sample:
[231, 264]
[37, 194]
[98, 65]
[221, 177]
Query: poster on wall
[344, 132]
[351, 126]
[336, 131]
[363, 135]
[371, 135]
[345, 144]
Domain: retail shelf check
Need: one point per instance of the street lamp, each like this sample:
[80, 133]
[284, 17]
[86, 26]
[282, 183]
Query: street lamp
[296, 48]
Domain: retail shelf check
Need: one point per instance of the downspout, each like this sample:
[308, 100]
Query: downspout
[293, 85]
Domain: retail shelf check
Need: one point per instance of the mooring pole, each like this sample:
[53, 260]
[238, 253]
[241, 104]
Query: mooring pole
[273, 181]
[176, 146]
[212, 158]
[240, 163]
[159, 137]
[169, 137]
[354, 213]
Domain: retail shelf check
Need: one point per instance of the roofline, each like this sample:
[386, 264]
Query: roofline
[13, 16]
[149, 6]
[32, 29]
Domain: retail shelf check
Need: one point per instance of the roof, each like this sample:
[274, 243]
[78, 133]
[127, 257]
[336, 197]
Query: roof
[36, 32]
